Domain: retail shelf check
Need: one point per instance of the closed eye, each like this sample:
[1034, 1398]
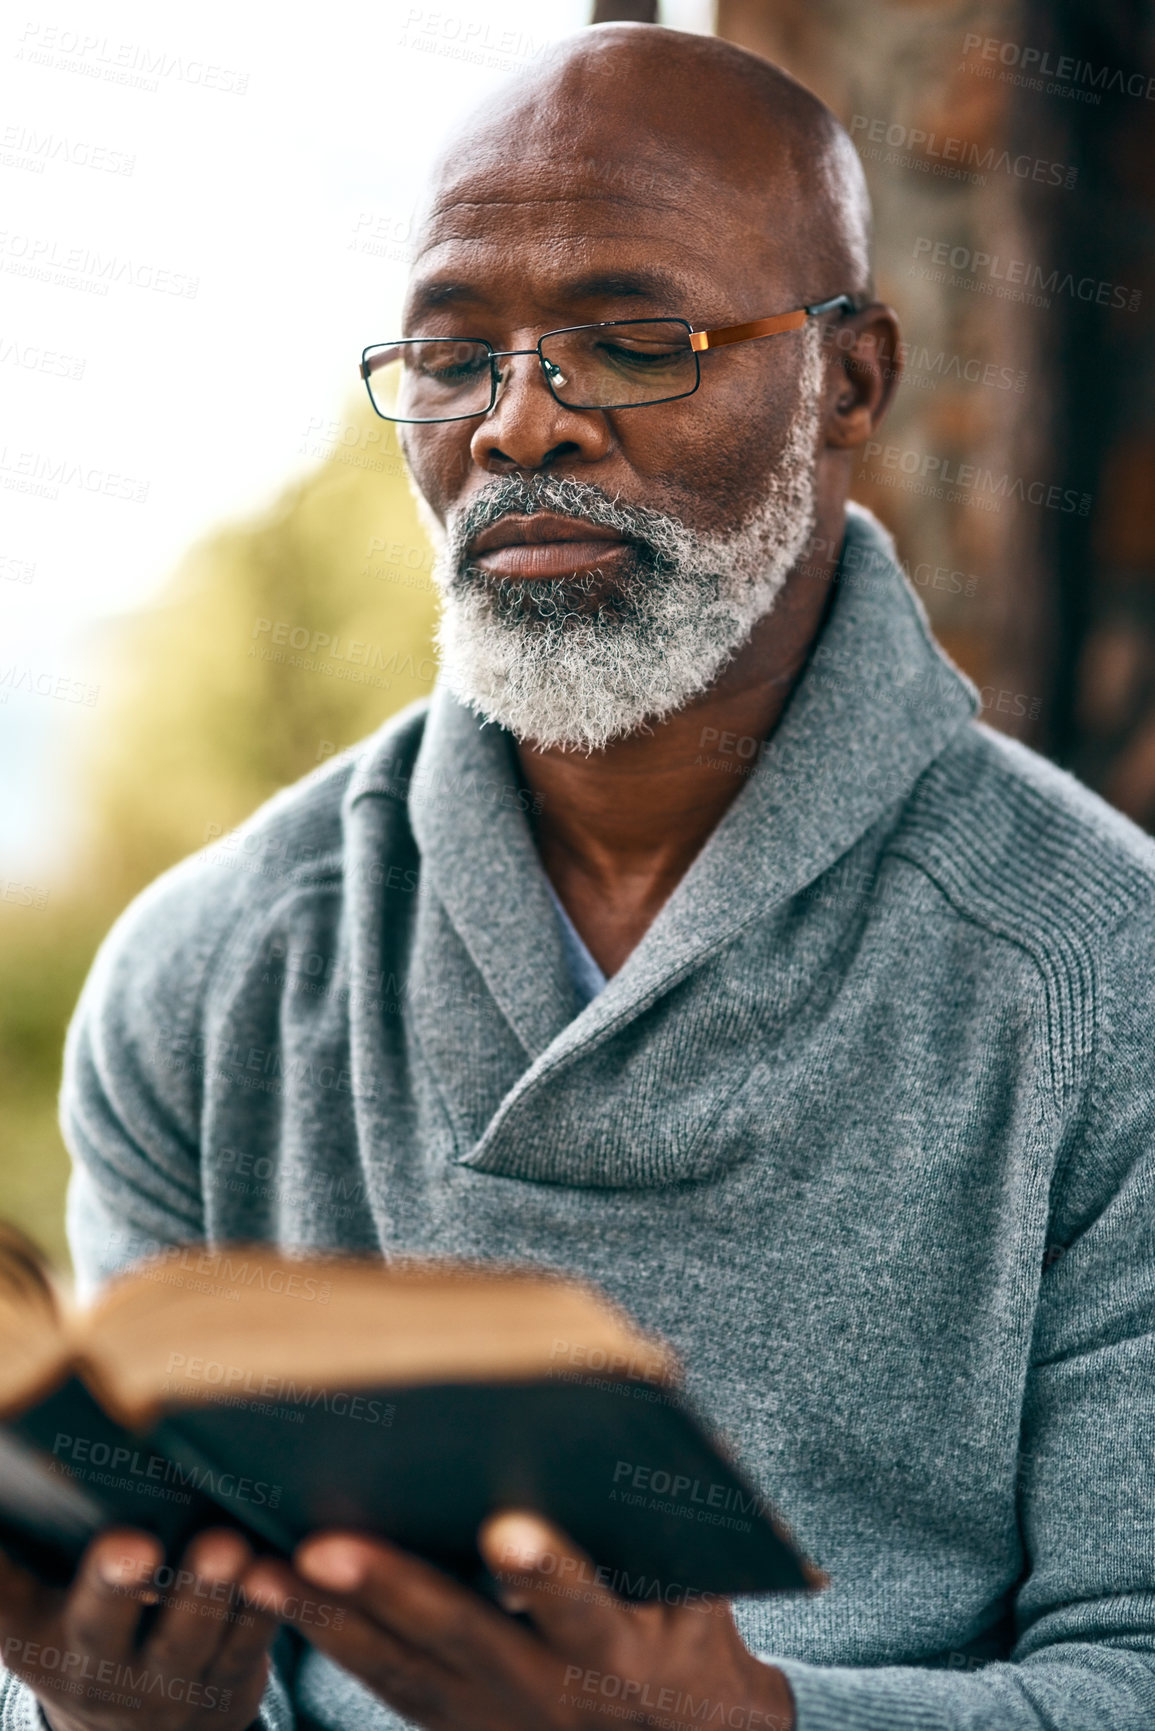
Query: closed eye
[642, 356]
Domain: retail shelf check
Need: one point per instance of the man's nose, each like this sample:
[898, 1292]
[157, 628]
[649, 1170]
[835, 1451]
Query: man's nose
[529, 429]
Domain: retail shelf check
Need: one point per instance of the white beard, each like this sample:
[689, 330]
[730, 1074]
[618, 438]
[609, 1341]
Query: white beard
[566, 663]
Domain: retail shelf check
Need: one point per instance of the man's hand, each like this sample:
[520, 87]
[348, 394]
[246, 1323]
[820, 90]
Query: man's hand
[443, 1656]
[203, 1664]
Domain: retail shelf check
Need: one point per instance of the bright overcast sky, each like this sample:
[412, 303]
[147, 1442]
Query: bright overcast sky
[203, 220]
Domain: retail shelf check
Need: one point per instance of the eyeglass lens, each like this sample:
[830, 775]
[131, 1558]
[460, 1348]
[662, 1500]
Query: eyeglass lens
[592, 367]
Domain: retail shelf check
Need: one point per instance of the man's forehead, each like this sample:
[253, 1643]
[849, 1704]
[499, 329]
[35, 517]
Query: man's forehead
[594, 203]
[565, 252]
[567, 208]
[581, 271]
[630, 173]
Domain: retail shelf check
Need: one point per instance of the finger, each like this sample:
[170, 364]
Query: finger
[192, 1624]
[103, 1607]
[543, 1573]
[243, 1660]
[270, 1585]
[249, 1633]
[419, 1683]
[409, 1598]
[342, 1631]
[272, 1589]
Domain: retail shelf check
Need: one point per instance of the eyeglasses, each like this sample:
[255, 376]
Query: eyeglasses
[619, 364]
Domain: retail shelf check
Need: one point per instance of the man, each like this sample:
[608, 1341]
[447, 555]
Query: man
[695, 939]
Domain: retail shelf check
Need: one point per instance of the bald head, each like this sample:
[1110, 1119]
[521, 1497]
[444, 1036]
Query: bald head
[655, 116]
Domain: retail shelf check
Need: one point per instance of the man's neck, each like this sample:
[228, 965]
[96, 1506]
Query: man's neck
[617, 830]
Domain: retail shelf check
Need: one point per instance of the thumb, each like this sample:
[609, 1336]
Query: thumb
[544, 1573]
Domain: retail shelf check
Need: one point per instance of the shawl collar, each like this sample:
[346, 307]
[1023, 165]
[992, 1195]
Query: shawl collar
[878, 702]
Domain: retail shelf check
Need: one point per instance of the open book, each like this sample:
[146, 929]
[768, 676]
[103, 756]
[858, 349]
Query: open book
[239, 1386]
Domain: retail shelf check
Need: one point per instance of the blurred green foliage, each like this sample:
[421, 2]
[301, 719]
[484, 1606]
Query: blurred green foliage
[279, 641]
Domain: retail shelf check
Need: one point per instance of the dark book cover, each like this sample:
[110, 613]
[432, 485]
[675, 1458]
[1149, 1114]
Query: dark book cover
[623, 1467]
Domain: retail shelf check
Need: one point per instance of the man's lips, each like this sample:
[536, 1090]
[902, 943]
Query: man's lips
[545, 545]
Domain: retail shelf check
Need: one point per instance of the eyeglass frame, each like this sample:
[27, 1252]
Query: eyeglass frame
[700, 341]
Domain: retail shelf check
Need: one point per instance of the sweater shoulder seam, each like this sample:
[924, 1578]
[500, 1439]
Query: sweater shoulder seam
[1067, 974]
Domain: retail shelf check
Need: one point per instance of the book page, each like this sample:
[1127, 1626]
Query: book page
[188, 1327]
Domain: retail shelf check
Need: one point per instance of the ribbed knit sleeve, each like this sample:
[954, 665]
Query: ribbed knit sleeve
[19, 1710]
[1085, 1611]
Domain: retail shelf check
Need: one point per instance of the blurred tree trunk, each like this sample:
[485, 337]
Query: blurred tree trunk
[1100, 352]
[908, 84]
[1062, 621]
[625, 12]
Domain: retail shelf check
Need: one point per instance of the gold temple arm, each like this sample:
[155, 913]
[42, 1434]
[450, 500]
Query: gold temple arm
[743, 333]
[766, 327]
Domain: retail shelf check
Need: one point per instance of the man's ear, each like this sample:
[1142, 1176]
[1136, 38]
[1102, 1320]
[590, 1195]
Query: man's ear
[864, 372]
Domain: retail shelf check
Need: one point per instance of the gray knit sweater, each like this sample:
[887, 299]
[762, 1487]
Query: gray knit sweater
[865, 1125]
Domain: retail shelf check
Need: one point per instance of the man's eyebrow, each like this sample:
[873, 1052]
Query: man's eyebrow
[653, 285]
[648, 284]
[429, 296]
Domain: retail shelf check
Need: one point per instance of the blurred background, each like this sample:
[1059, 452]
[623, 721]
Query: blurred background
[201, 226]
